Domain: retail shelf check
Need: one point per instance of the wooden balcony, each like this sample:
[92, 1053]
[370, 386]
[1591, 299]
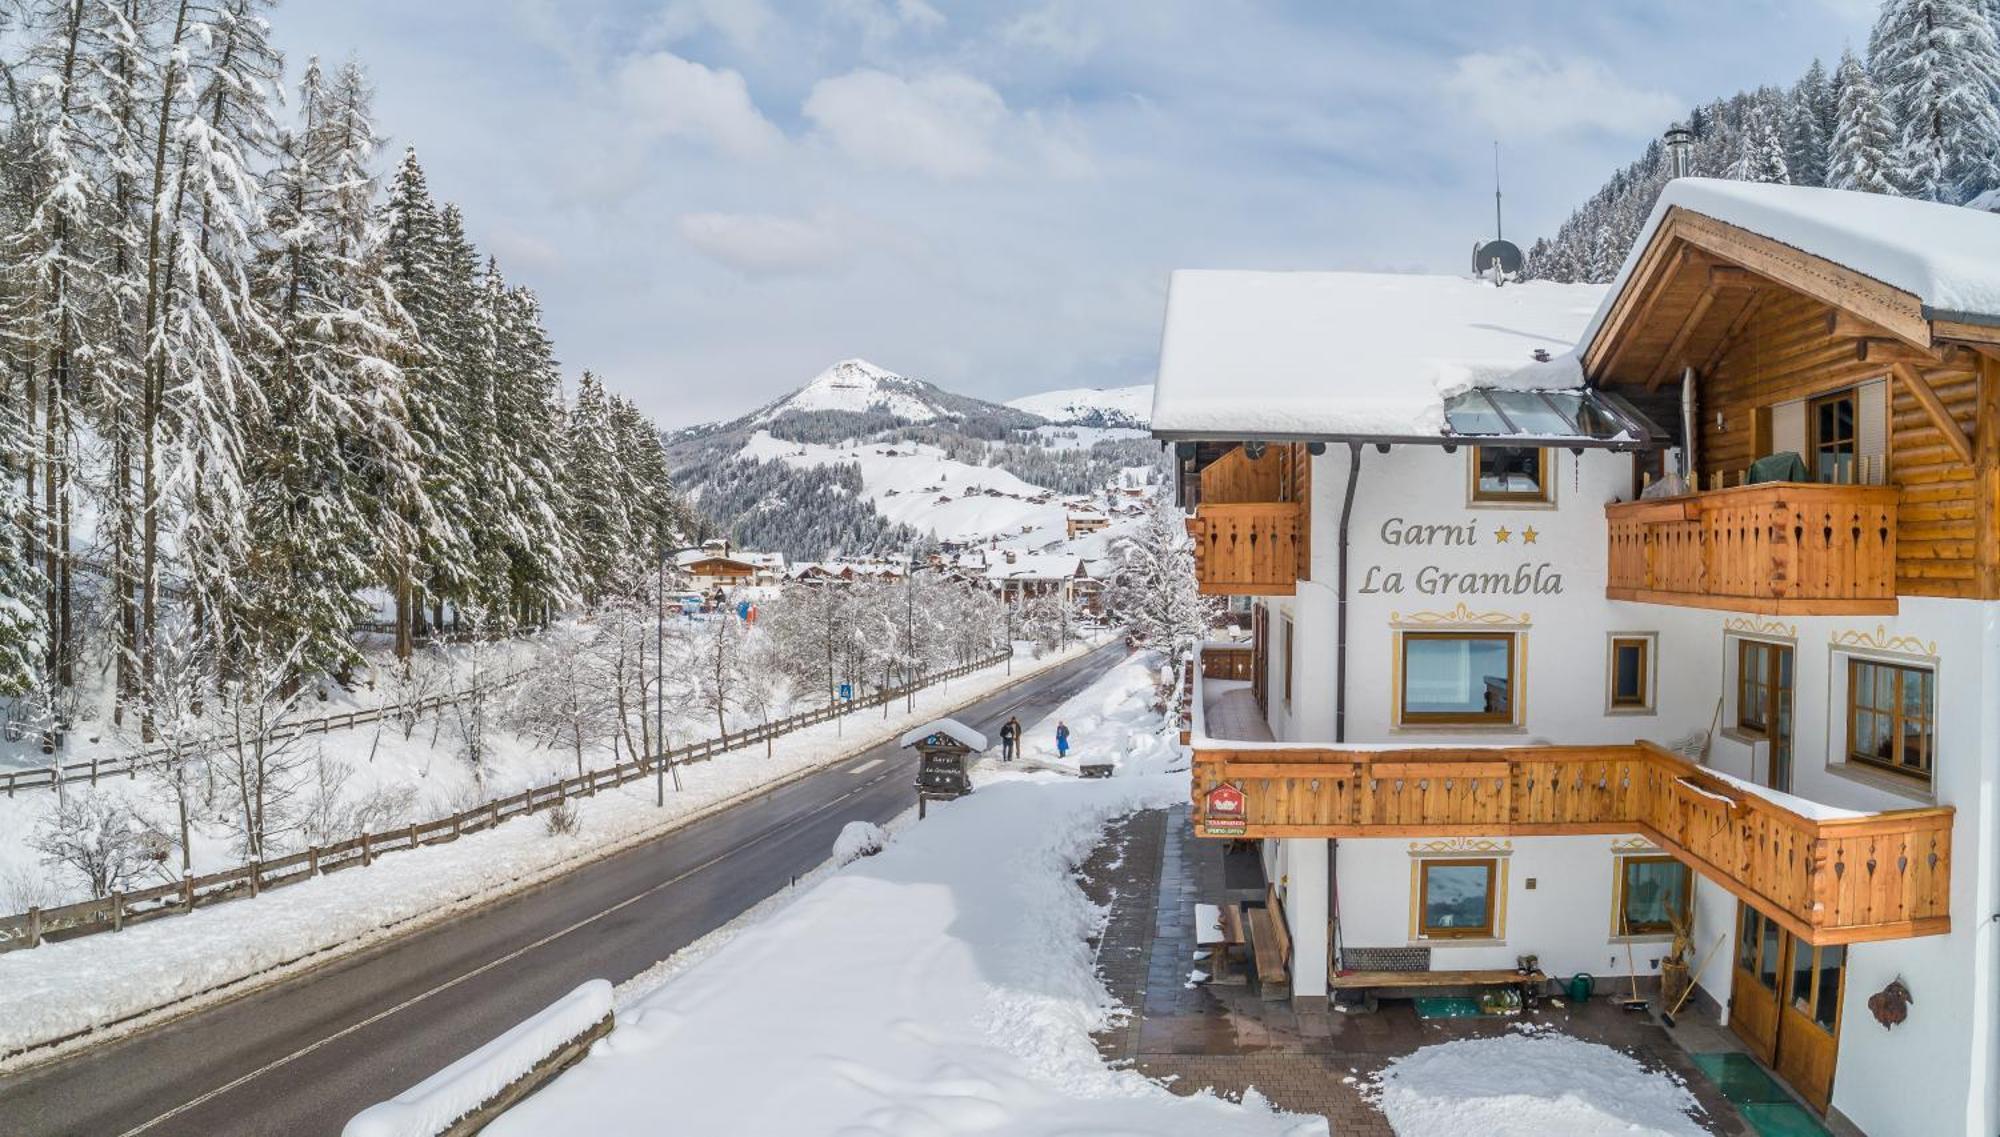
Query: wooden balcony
[1250, 523]
[1247, 548]
[1775, 548]
[1872, 877]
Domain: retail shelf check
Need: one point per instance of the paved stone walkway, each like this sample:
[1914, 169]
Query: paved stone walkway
[1151, 870]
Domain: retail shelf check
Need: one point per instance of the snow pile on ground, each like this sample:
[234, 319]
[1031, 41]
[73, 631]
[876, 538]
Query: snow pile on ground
[433, 1104]
[61, 989]
[859, 839]
[1531, 1084]
[1110, 721]
[945, 985]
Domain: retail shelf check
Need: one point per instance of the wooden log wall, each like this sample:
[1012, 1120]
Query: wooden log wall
[1785, 351]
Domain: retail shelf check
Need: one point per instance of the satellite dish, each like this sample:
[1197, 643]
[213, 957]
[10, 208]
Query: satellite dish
[1502, 251]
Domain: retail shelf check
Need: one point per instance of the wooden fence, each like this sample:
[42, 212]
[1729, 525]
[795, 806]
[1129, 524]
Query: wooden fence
[113, 913]
[45, 777]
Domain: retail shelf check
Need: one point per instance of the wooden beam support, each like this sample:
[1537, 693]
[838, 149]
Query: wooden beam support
[1655, 286]
[1933, 406]
[1681, 337]
[1877, 350]
[1736, 326]
[1736, 276]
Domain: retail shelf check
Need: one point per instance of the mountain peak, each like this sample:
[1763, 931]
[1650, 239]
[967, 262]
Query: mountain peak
[861, 387]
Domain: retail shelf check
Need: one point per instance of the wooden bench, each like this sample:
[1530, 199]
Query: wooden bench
[1270, 945]
[1219, 929]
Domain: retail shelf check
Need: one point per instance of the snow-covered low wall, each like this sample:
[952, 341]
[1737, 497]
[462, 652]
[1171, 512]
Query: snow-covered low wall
[464, 1096]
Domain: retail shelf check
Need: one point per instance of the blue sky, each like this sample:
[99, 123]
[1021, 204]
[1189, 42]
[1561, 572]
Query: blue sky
[717, 198]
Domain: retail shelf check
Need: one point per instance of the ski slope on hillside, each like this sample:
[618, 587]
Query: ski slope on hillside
[918, 486]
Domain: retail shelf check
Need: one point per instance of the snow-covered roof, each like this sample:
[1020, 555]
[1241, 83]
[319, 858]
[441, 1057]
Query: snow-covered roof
[1947, 256]
[1034, 566]
[1353, 354]
[952, 727]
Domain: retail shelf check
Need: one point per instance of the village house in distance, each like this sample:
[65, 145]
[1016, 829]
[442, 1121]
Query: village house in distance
[1581, 612]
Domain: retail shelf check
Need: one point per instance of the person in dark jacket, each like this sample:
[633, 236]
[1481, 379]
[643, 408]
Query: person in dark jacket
[1062, 739]
[1007, 741]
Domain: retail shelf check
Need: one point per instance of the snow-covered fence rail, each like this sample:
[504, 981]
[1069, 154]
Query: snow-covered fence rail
[97, 769]
[113, 913]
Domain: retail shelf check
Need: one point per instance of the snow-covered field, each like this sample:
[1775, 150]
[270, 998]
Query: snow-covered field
[1535, 1083]
[1133, 405]
[944, 985]
[62, 988]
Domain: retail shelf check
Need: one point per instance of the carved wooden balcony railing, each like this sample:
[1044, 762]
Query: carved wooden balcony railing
[1250, 524]
[1872, 877]
[1775, 548]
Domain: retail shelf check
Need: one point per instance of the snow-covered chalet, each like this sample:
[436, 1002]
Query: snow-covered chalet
[1582, 614]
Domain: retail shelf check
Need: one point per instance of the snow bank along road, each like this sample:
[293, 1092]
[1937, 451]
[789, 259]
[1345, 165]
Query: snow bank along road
[302, 1057]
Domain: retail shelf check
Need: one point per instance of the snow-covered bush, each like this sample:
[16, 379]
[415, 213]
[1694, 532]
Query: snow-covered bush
[100, 839]
[561, 820]
[859, 839]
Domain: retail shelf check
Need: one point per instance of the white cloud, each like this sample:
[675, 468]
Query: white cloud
[941, 124]
[1053, 31]
[676, 97]
[1522, 93]
[764, 245]
[881, 20]
[741, 22]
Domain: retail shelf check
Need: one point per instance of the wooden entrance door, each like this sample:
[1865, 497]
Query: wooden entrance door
[1784, 1003]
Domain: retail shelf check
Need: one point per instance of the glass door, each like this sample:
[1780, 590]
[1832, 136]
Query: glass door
[1785, 1003]
[1764, 703]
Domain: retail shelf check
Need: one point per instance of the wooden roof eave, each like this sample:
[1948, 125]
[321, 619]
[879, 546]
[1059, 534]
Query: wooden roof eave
[1897, 313]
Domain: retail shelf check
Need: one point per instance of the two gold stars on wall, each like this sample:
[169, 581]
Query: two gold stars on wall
[1504, 535]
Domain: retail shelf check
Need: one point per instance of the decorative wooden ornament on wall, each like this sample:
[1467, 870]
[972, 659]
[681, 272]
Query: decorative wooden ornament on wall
[1891, 1004]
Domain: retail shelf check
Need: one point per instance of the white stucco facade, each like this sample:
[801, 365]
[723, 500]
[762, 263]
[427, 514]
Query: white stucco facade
[1423, 557]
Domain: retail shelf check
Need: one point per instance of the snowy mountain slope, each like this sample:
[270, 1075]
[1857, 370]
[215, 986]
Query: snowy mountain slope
[1091, 406]
[863, 460]
[859, 387]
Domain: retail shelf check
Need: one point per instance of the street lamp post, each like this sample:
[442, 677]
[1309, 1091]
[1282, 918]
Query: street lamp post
[660, 688]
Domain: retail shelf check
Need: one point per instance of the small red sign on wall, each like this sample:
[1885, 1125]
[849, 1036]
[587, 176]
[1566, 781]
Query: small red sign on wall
[1222, 812]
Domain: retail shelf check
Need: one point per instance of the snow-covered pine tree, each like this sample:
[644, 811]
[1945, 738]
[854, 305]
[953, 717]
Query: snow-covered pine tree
[413, 266]
[1939, 66]
[1806, 135]
[540, 547]
[23, 631]
[1863, 142]
[1154, 590]
[598, 512]
[329, 453]
[1760, 156]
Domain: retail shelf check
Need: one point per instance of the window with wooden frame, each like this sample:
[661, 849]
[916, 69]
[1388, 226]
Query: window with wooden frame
[1652, 893]
[1833, 423]
[1458, 678]
[1629, 673]
[1288, 661]
[1764, 703]
[1892, 716]
[1511, 475]
[1456, 898]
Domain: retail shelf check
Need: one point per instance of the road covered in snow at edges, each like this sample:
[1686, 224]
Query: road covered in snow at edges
[63, 989]
[944, 985]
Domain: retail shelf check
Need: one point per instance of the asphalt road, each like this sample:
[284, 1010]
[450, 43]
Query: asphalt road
[301, 1058]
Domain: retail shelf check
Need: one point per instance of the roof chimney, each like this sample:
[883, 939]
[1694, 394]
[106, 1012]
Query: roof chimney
[1680, 150]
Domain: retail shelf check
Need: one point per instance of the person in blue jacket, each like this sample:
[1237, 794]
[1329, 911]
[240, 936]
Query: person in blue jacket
[1062, 739]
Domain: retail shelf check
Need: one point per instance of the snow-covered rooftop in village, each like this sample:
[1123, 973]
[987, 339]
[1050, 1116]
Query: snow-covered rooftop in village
[1947, 256]
[1354, 354]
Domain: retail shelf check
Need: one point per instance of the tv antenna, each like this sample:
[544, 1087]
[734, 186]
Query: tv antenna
[1498, 256]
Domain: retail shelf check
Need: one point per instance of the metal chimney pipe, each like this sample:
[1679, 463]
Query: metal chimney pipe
[1690, 422]
[1680, 150]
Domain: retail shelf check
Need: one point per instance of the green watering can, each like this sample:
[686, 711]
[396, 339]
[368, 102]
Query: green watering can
[1580, 986]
